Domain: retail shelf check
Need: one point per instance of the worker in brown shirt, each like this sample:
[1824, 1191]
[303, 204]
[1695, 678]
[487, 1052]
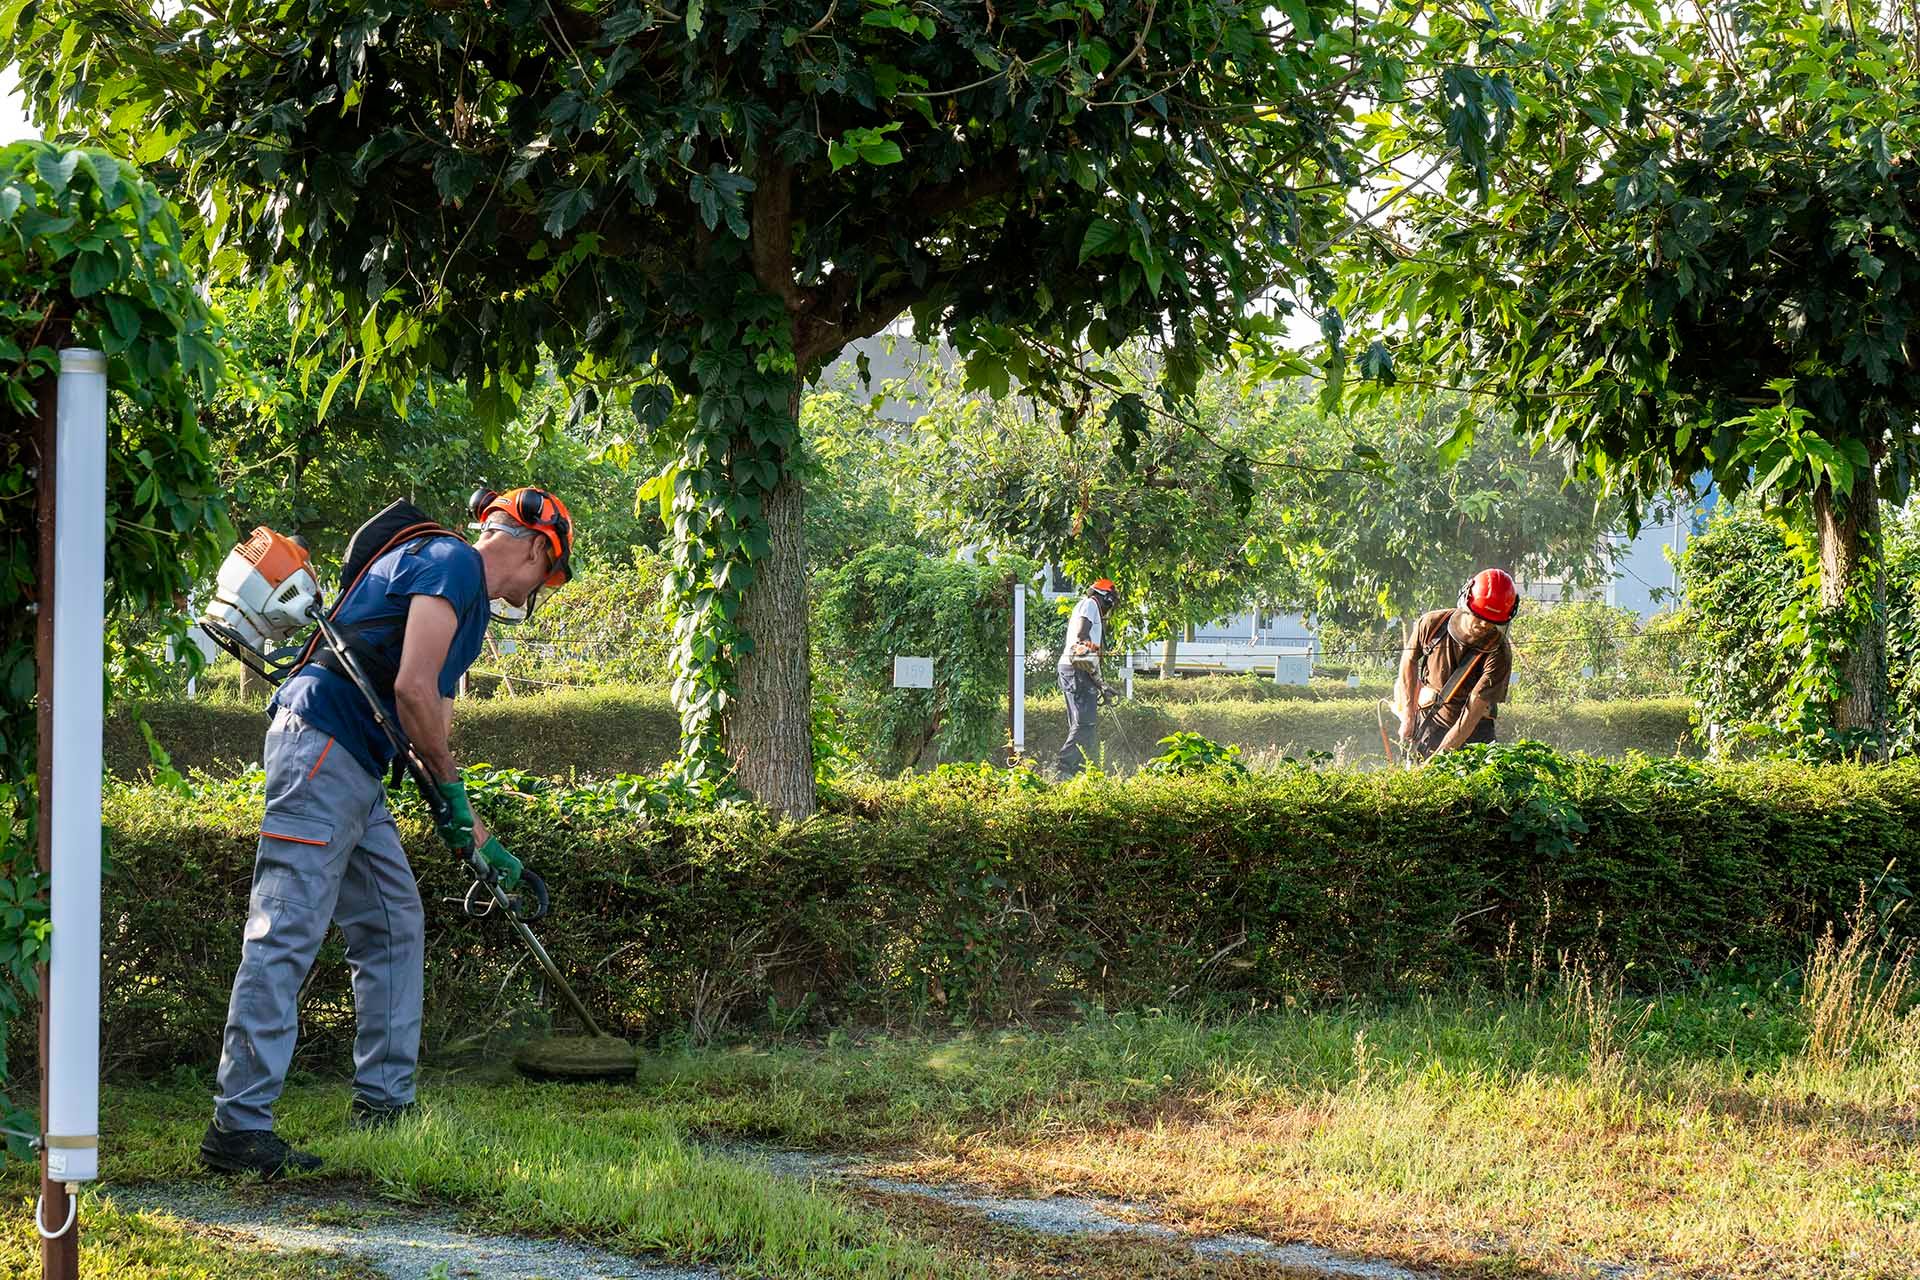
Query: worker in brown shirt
[1456, 668]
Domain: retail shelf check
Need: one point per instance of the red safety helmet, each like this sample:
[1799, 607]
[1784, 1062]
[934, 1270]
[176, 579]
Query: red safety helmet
[1491, 597]
[1104, 591]
[538, 510]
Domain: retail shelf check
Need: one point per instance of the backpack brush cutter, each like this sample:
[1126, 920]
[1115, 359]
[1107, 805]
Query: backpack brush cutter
[265, 595]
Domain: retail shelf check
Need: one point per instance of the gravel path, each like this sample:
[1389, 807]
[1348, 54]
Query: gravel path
[401, 1245]
[1076, 1216]
[406, 1245]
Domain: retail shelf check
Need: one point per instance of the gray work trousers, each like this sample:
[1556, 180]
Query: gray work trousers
[329, 852]
[1083, 730]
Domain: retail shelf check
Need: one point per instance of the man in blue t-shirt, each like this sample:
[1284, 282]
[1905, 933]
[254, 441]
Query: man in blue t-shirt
[329, 851]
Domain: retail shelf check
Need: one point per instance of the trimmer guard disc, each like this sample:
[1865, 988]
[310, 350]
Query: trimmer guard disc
[577, 1058]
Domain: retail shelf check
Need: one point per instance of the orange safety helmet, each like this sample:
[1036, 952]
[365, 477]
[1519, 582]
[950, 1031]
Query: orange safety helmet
[538, 510]
[1491, 597]
[1104, 591]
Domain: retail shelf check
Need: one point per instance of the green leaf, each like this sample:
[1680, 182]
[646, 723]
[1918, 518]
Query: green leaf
[333, 385]
[56, 167]
[93, 271]
[1776, 474]
[123, 316]
[565, 208]
[455, 173]
[696, 17]
[1377, 363]
[1102, 238]
[106, 176]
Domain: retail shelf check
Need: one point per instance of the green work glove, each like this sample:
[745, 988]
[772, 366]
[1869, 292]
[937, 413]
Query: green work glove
[456, 828]
[504, 864]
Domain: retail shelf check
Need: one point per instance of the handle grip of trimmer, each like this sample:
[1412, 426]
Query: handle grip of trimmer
[526, 902]
[530, 886]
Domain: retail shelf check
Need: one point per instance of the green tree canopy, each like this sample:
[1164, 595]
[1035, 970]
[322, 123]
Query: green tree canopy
[1107, 489]
[1700, 253]
[710, 200]
[1252, 498]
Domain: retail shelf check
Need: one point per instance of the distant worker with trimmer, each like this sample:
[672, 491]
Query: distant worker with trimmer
[1456, 668]
[1079, 669]
[412, 613]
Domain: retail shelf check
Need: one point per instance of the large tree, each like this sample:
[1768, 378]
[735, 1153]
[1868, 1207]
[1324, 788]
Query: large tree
[704, 202]
[1700, 253]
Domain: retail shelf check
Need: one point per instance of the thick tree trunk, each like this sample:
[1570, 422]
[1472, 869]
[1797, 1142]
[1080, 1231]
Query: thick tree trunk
[1166, 654]
[769, 725]
[1850, 561]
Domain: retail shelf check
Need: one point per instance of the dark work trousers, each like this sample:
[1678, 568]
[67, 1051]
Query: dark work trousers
[1083, 729]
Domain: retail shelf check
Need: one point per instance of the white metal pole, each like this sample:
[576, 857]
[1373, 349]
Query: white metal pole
[1020, 668]
[73, 810]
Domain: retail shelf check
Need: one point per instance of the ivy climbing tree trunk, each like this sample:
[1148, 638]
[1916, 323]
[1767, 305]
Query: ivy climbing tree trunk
[769, 725]
[1853, 589]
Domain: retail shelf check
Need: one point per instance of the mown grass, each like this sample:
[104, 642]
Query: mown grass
[1534, 1134]
[602, 1164]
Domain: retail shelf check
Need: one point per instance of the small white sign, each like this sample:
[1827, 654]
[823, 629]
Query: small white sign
[1293, 668]
[1353, 679]
[912, 673]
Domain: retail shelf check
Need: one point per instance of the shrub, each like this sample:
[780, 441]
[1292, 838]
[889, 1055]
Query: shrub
[898, 600]
[972, 892]
[1757, 638]
[92, 257]
[1189, 753]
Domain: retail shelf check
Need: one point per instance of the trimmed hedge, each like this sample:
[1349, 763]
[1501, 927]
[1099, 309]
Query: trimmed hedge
[1245, 687]
[598, 732]
[1349, 729]
[630, 729]
[985, 893]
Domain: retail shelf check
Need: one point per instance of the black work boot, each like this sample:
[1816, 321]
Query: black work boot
[260, 1151]
[367, 1117]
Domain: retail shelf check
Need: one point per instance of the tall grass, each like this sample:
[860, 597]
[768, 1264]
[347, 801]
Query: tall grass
[1857, 988]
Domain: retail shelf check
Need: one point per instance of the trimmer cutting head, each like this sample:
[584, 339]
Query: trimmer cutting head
[577, 1059]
